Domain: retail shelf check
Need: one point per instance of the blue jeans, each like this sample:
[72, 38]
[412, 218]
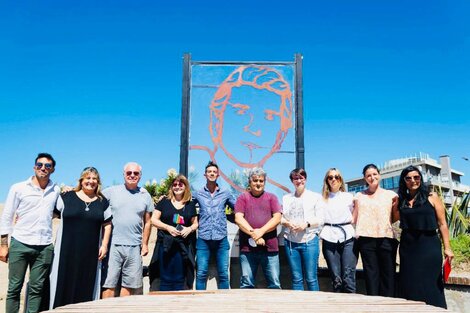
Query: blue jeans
[221, 249]
[303, 261]
[269, 261]
[341, 261]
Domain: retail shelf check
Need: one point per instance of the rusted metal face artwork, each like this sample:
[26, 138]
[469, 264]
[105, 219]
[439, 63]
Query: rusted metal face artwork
[243, 116]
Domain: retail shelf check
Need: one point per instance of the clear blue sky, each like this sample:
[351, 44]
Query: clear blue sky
[99, 82]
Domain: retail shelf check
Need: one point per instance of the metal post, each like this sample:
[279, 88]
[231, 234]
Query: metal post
[299, 114]
[185, 110]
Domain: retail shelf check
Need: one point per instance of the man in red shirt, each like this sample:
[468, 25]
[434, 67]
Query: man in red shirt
[257, 214]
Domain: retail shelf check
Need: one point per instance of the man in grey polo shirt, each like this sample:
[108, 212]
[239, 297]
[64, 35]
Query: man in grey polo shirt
[132, 207]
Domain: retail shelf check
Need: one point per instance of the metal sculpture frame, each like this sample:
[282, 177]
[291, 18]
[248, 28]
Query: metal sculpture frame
[186, 109]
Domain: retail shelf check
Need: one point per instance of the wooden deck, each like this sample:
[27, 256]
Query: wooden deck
[253, 300]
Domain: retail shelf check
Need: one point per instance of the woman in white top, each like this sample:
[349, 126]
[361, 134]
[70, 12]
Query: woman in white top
[302, 218]
[338, 233]
[376, 242]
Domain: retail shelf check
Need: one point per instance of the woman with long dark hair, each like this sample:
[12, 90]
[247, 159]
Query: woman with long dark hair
[421, 215]
[376, 241]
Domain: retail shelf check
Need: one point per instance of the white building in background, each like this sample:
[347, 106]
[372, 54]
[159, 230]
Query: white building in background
[436, 175]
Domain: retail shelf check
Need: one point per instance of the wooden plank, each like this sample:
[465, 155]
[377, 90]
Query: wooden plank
[253, 300]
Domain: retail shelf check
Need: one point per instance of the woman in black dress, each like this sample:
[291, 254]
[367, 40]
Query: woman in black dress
[81, 242]
[421, 214]
[174, 254]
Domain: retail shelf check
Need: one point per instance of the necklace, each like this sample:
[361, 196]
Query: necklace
[83, 196]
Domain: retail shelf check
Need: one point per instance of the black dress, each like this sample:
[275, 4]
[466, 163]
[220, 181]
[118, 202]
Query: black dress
[170, 252]
[421, 256]
[75, 270]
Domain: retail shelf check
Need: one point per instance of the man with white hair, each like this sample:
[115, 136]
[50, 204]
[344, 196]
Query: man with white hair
[257, 214]
[132, 207]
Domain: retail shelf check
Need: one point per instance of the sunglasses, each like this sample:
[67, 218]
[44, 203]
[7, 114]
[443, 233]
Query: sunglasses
[331, 177]
[415, 178]
[129, 173]
[178, 184]
[39, 165]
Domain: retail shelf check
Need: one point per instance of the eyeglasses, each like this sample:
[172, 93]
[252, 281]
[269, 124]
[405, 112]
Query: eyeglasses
[415, 178]
[129, 173]
[39, 165]
[178, 184]
[331, 177]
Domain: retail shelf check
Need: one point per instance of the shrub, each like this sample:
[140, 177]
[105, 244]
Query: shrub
[461, 248]
[158, 190]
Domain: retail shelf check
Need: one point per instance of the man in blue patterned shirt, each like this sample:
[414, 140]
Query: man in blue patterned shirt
[212, 232]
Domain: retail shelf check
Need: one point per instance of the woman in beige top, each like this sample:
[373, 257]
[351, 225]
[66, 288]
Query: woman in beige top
[376, 243]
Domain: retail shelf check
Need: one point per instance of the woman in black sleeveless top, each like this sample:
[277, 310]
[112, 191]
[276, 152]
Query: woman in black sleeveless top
[421, 214]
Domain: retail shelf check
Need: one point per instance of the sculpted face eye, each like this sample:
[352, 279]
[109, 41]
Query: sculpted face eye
[239, 108]
[269, 114]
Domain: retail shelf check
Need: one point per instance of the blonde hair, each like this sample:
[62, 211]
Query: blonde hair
[187, 190]
[326, 187]
[84, 174]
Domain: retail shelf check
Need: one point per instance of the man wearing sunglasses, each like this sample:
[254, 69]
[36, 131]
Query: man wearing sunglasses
[132, 207]
[32, 202]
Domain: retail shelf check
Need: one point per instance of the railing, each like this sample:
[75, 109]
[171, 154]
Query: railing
[400, 163]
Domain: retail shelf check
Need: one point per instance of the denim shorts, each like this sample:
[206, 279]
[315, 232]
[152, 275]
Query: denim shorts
[128, 260]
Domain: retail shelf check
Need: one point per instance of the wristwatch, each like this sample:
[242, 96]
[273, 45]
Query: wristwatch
[308, 225]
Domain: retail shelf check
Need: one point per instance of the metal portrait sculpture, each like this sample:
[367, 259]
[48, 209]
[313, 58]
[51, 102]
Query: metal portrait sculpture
[250, 119]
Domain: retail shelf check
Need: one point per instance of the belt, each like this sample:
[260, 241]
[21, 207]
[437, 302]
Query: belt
[340, 226]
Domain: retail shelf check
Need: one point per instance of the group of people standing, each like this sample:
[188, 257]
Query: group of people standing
[193, 226]
[362, 224]
[102, 237]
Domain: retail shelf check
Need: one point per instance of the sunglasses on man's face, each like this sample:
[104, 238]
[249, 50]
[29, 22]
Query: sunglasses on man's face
[39, 165]
[129, 173]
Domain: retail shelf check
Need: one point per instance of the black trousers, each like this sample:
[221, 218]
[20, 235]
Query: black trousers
[379, 263]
